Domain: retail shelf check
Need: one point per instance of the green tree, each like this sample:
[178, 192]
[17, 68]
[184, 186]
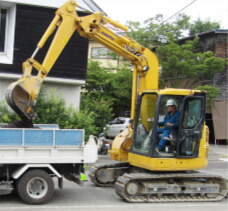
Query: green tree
[97, 97]
[212, 92]
[181, 61]
[100, 109]
[199, 26]
[51, 109]
[122, 90]
[155, 31]
[6, 114]
[98, 82]
[112, 88]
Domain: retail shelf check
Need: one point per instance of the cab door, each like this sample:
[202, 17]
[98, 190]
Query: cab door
[191, 124]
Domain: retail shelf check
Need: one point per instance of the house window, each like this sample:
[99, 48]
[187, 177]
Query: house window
[3, 19]
[101, 53]
[7, 31]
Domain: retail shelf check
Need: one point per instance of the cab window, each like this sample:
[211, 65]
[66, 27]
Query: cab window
[191, 117]
[192, 113]
[145, 121]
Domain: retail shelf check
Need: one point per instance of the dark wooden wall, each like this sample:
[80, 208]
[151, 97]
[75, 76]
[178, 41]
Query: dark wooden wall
[31, 23]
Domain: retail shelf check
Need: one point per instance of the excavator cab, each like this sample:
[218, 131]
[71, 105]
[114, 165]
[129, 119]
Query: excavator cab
[183, 142]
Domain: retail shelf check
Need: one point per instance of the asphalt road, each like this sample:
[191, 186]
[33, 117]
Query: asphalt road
[89, 197]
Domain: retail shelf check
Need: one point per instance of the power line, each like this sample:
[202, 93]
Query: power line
[178, 12]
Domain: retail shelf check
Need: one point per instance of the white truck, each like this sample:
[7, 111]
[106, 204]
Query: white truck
[30, 158]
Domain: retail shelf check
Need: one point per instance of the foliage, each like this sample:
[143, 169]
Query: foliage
[101, 110]
[180, 61]
[83, 120]
[122, 89]
[177, 61]
[105, 92]
[156, 31]
[6, 114]
[98, 81]
[199, 26]
[52, 109]
[212, 92]
[114, 89]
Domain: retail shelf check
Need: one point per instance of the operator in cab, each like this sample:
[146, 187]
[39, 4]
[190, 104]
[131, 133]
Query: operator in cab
[170, 123]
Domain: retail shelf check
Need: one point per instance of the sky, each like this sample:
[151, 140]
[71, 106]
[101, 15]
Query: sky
[140, 10]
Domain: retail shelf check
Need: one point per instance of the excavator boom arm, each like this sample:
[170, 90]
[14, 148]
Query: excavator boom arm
[94, 26]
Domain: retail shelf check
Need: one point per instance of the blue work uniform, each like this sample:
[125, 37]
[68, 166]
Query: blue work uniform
[174, 120]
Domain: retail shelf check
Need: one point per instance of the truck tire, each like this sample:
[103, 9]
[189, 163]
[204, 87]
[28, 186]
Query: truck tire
[36, 187]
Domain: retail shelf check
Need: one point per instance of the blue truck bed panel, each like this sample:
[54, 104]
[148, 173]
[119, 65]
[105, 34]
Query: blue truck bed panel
[41, 137]
[70, 137]
[11, 137]
[38, 137]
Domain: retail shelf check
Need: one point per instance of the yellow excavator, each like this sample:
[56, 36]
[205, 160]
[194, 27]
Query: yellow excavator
[141, 174]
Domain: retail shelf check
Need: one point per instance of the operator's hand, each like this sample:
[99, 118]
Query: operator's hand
[169, 124]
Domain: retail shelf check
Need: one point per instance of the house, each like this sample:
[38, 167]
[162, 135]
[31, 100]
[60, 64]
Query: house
[97, 52]
[22, 24]
[216, 41]
[100, 53]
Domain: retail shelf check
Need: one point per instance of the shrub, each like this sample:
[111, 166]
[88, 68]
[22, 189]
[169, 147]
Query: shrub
[212, 92]
[7, 115]
[52, 109]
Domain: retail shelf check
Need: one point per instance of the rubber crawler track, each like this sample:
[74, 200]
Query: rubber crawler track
[123, 181]
[95, 168]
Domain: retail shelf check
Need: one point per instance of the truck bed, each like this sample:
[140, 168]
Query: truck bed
[50, 145]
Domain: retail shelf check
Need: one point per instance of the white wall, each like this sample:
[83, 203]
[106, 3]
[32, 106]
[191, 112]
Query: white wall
[70, 92]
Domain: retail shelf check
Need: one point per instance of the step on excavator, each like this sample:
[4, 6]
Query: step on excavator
[139, 172]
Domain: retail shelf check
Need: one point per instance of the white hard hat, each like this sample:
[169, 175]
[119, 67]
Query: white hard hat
[171, 102]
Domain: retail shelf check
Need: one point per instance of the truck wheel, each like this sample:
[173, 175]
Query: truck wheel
[36, 187]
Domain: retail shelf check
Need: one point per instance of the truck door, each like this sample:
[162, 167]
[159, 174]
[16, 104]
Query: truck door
[190, 128]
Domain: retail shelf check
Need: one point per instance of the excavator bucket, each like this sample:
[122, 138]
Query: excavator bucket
[20, 97]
